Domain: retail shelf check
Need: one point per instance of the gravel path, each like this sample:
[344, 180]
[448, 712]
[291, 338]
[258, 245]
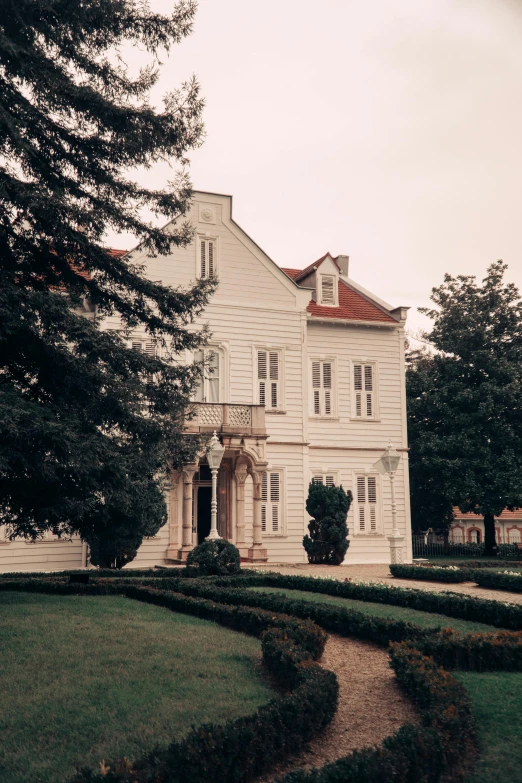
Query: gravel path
[381, 573]
[371, 705]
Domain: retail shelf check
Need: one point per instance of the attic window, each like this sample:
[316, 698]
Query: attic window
[207, 257]
[328, 290]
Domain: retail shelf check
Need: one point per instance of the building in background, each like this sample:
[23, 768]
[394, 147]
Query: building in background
[307, 383]
[469, 528]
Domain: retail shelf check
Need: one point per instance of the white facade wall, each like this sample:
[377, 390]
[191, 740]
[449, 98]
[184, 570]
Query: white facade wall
[257, 306]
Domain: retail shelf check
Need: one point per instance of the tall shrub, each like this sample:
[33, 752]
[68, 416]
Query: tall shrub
[327, 542]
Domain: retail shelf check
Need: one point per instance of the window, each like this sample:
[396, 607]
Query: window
[149, 347]
[3, 535]
[514, 536]
[322, 388]
[269, 379]
[457, 536]
[271, 511]
[210, 388]
[364, 391]
[328, 479]
[207, 250]
[366, 505]
[328, 292]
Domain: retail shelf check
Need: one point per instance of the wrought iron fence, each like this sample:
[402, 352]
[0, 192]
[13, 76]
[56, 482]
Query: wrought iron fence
[431, 546]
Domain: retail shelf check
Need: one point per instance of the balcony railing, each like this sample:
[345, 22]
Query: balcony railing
[225, 417]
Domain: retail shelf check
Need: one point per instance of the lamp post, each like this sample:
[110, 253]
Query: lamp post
[214, 456]
[388, 463]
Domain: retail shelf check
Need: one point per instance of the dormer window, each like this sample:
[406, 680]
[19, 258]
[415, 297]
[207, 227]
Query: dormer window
[207, 257]
[327, 289]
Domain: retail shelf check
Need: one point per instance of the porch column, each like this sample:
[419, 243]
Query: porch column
[240, 474]
[186, 542]
[173, 504]
[257, 553]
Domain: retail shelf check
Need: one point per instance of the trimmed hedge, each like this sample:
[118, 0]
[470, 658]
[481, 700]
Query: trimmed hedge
[458, 605]
[346, 622]
[475, 652]
[480, 563]
[441, 748]
[496, 580]
[432, 573]
[239, 750]
[480, 652]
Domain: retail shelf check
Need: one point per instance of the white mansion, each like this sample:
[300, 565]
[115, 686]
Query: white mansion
[308, 383]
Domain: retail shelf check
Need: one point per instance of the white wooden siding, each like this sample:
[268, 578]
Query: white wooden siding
[257, 306]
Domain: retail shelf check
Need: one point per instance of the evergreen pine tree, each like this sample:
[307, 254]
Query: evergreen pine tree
[88, 427]
[329, 506]
[465, 401]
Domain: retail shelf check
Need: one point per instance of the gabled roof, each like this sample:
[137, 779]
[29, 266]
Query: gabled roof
[300, 275]
[352, 305]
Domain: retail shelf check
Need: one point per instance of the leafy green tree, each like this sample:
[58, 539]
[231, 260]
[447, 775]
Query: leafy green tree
[88, 427]
[430, 488]
[465, 401]
[329, 506]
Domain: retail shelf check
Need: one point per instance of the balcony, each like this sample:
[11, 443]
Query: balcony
[243, 420]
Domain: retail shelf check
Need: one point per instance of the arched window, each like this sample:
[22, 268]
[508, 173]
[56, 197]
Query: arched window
[457, 536]
[474, 536]
[212, 385]
[514, 536]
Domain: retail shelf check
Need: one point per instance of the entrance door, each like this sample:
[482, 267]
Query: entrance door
[204, 501]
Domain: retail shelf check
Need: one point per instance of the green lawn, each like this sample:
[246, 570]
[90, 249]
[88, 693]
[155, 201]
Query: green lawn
[90, 678]
[424, 619]
[497, 706]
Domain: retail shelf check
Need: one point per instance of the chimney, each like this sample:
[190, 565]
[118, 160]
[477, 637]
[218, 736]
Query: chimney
[343, 262]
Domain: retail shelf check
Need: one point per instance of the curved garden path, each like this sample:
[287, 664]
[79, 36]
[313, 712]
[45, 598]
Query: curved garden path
[371, 705]
[381, 573]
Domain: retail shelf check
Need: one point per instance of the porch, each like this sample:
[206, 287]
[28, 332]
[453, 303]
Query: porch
[242, 432]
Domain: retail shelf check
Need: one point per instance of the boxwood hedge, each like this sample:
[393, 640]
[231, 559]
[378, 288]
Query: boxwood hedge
[239, 750]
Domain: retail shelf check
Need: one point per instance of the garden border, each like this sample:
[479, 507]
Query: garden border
[238, 750]
[439, 749]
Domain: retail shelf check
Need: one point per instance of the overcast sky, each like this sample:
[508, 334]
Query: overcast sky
[388, 131]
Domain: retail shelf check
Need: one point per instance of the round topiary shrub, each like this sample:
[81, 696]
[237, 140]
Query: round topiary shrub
[214, 558]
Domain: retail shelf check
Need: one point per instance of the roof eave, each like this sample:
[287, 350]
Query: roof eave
[352, 321]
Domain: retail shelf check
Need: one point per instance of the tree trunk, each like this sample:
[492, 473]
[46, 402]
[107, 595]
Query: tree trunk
[445, 536]
[490, 544]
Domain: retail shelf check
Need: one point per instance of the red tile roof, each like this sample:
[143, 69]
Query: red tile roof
[505, 516]
[352, 305]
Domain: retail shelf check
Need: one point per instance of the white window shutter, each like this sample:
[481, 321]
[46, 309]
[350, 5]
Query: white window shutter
[264, 501]
[211, 257]
[274, 378]
[207, 257]
[372, 503]
[327, 388]
[367, 509]
[136, 345]
[368, 389]
[322, 388]
[364, 390]
[203, 258]
[327, 289]
[271, 502]
[318, 478]
[329, 480]
[262, 376]
[361, 502]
